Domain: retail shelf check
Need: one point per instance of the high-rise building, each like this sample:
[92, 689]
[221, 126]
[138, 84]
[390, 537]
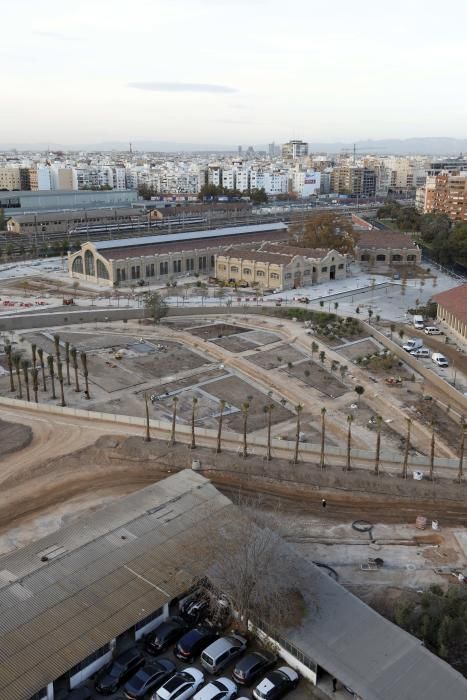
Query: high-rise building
[295, 149]
[10, 179]
[354, 181]
[446, 193]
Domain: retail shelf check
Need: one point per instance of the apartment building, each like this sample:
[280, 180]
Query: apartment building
[306, 182]
[352, 180]
[446, 193]
[295, 149]
[10, 179]
[272, 182]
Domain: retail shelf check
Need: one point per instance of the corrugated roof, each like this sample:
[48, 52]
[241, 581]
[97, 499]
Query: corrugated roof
[188, 236]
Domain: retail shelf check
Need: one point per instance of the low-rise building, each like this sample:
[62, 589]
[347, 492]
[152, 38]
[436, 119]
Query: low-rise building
[452, 309]
[381, 248]
[275, 266]
[64, 221]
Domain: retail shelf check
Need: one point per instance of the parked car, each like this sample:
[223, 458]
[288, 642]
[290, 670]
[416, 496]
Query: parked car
[166, 634]
[421, 352]
[439, 359]
[418, 322]
[181, 686]
[193, 642]
[220, 689]
[252, 665]
[276, 684]
[119, 671]
[80, 694]
[148, 678]
[432, 330]
[413, 344]
[224, 650]
[195, 607]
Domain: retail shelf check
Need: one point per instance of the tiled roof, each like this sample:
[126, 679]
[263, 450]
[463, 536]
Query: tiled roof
[454, 301]
[381, 239]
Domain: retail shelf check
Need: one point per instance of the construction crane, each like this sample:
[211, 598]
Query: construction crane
[360, 148]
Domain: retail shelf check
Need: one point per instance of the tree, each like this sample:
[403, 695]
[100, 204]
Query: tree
[50, 363]
[34, 354]
[379, 421]
[174, 420]
[432, 455]
[222, 404]
[40, 353]
[67, 362]
[17, 364]
[343, 369]
[359, 390]
[393, 328]
[334, 365]
[25, 368]
[322, 356]
[460, 474]
[147, 437]
[370, 314]
[155, 306]
[9, 358]
[2, 220]
[269, 409]
[193, 412]
[35, 383]
[401, 333]
[74, 361]
[60, 381]
[323, 436]
[336, 305]
[314, 348]
[258, 196]
[298, 409]
[245, 409]
[57, 347]
[406, 451]
[84, 364]
[329, 230]
[349, 440]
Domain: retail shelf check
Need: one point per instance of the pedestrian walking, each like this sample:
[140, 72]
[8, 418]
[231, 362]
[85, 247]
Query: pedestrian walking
[323, 502]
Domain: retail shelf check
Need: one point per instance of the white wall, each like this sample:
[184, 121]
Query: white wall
[85, 673]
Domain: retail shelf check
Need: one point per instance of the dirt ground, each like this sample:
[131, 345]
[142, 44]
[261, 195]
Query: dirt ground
[13, 437]
[276, 357]
[433, 416]
[234, 343]
[362, 347]
[318, 378]
[216, 330]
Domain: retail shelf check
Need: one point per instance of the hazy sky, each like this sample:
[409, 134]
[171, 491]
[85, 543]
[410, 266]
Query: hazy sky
[231, 71]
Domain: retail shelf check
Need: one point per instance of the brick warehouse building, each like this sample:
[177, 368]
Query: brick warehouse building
[452, 309]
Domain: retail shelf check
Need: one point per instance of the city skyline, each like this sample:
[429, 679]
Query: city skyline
[203, 72]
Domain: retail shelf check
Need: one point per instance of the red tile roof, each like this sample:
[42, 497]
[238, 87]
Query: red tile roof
[383, 239]
[454, 301]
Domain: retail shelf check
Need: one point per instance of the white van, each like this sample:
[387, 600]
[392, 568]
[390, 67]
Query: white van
[413, 344]
[432, 330]
[418, 322]
[439, 359]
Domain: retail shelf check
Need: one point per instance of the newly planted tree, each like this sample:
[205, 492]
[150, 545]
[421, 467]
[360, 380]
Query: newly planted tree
[40, 353]
[146, 408]
[349, 440]
[322, 357]
[174, 420]
[17, 364]
[25, 368]
[323, 437]
[194, 403]
[35, 383]
[219, 426]
[67, 362]
[406, 451]
[432, 455]
[9, 358]
[50, 364]
[74, 361]
[84, 364]
[460, 474]
[379, 421]
[34, 354]
[245, 409]
[359, 390]
[298, 409]
[57, 347]
[60, 381]
[269, 409]
[314, 348]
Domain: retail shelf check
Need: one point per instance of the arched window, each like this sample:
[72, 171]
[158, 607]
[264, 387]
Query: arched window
[102, 270]
[77, 265]
[380, 257]
[233, 268]
[274, 276]
[365, 257]
[89, 263]
[260, 273]
[397, 258]
[246, 271]
[411, 258]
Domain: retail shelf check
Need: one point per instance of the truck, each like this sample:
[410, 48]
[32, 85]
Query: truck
[418, 322]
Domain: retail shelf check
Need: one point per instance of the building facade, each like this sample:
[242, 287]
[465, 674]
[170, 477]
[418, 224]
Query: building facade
[452, 310]
[378, 248]
[295, 149]
[63, 222]
[446, 193]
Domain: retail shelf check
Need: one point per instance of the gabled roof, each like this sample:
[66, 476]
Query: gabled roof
[454, 301]
[382, 239]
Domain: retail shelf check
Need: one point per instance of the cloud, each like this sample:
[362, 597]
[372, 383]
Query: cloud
[54, 35]
[181, 87]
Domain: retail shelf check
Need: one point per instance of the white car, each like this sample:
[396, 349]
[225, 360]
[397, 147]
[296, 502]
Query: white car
[421, 352]
[439, 359]
[432, 330]
[181, 686]
[220, 689]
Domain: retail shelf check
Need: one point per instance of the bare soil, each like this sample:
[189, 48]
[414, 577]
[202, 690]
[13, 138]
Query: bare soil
[276, 357]
[359, 349]
[319, 378]
[432, 415]
[234, 343]
[13, 437]
[216, 330]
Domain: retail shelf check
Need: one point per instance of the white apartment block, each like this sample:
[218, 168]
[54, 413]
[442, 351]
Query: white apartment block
[306, 182]
[273, 182]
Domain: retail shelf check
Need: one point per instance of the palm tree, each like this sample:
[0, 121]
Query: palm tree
[25, 368]
[67, 362]
[57, 346]
[379, 421]
[336, 305]
[9, 357]
[432, 454]
[40, 352]
[245, 409]
[193, 412]
[17, 364]
[50, 363]
[334, 365]
[323, 435]
[322, 356]
[84, 363]
[33, 354]
[146, 406]
[268, 409]
[74, 360]
[393, 328]
[343, 369]
[60, 380]
[314, 348]
[219, 427]
[35, 383]
[407, 448]
[460, 474]
[174, 418]
[299, 409]
[349, 440]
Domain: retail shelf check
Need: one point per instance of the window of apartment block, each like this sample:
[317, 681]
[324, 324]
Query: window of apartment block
[202, 261]
[150, 270]
[189, 264]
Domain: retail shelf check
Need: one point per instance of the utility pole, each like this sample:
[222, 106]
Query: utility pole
[406, 453]
[460, 474]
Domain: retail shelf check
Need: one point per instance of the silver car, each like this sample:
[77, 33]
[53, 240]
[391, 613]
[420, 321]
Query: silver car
[221, 652]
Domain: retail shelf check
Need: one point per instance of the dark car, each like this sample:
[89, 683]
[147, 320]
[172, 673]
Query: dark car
[119, 671]
[151, 677]
[194, 642]
[252, 665]
[80, 694]
[276, 684]
[166, 634]
[195, 607]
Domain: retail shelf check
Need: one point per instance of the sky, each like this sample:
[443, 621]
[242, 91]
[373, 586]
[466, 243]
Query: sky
[231, 72]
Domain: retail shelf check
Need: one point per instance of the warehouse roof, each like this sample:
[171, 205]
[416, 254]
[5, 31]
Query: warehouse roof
[383, 239]
[76, 214]
[66, 595]
[454, 301]
[188, 236]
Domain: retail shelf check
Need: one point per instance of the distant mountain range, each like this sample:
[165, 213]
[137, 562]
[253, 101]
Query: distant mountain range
[436, 146]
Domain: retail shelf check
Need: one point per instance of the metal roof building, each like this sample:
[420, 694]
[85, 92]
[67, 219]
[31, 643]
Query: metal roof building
[65, 596]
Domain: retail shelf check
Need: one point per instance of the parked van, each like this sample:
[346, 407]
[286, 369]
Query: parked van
[432, 330]
[413, 344]
[418, 322]
[439, 359]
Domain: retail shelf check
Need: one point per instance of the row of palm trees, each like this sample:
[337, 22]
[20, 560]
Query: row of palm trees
[268, 409]
[35, 369]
